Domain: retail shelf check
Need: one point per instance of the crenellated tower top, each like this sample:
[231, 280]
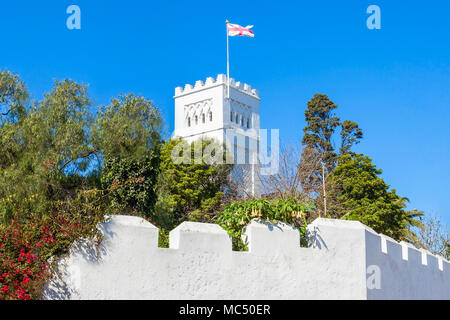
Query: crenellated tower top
[220, 80]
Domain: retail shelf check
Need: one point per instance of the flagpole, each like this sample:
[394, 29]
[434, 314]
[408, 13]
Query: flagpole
[228, 63]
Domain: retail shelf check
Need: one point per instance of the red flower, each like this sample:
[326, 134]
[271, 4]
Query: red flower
[5, 289]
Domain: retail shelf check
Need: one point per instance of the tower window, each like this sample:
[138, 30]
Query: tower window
[248, 123]
[242, 121]
[196, 120]
[210, 116]
[203, 118]
[189, 121]
[237, 118]
[231, 116]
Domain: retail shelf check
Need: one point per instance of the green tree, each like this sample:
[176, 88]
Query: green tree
[56, 147]
[13, 95]
[45, 153]
[319, 156]
[350, 134]
[128, 132]
[321, 125]
[132, 183]
[193, 187]
[360, 194]
[51, 158]
[130, 127]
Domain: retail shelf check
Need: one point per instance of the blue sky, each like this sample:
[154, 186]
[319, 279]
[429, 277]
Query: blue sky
[395, 82]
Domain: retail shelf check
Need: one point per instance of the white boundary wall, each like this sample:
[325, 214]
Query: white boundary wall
[347, 260]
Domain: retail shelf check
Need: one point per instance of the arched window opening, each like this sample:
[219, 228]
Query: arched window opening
[210, 116]
[203, 118]
[248, 123]
[242, 121]
[231, 116]
[196, 120]
[189, 121]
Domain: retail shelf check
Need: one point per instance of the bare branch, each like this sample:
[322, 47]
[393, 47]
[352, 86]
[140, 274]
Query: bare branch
[79, 157]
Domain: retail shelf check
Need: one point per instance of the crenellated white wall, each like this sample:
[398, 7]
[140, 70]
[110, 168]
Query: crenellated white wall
[200, 264]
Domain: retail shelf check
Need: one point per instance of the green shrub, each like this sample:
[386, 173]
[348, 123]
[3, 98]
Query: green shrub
[132, 183]
[237, 215]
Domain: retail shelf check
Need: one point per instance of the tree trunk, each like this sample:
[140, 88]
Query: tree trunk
[324, 192]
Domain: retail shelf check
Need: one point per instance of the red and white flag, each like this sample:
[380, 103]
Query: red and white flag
[237, 30]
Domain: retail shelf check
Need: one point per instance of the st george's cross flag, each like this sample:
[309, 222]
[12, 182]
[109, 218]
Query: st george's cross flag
[232, 31]
[237, 30]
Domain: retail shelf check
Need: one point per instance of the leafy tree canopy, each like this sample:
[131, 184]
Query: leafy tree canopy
[319, 155]
[361, 194]
[321, 124]
[132, 183]
[13, 95]
[56, 147]
[43, 152]
[195, 187]
[130, 127]
[128, 132]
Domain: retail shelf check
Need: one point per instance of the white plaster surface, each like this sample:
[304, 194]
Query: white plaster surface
[201, 265]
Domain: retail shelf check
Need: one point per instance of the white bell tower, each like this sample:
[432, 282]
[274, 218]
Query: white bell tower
[204, 110]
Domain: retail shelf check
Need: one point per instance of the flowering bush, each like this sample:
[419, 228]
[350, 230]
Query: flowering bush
[28, 244]
[22, 273]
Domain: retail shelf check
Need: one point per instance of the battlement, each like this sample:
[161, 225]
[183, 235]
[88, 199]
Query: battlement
[342, 262]
[386, 247]
[221, 80]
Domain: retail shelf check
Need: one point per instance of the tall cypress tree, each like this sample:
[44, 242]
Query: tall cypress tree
[321, 125]
[319, 156]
